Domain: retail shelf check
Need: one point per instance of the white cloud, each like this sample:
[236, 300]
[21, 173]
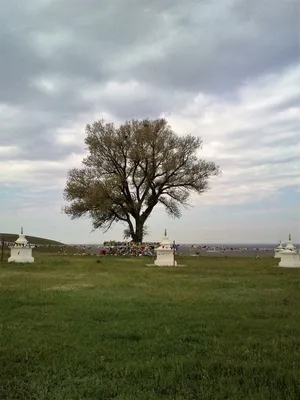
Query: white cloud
[113, 90]
[73, 132]
[50, 84]
[240, 135]
[36, 172]
[49, 43]
[9, 151]
[243, 136]
[271, 90]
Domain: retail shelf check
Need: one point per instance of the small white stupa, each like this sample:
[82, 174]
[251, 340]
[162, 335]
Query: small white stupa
[21, 251]
[290, 257]
[278, 250]
[165, 253]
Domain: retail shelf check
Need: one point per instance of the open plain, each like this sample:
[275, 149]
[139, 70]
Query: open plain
[111, 328]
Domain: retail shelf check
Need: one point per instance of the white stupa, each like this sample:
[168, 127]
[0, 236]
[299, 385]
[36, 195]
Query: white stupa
[290, 257]
[165, 253]
[21, 251]
[278, 250]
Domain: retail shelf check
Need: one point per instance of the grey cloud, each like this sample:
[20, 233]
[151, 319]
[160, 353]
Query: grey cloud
[136, 108]
[209, 46]
[187, 47]
[294, 102]
[263, 129]
[222, 49]
[17, 66]
[32, 132]
[149, 104]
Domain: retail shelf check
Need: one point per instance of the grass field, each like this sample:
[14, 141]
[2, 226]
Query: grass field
[221, 328]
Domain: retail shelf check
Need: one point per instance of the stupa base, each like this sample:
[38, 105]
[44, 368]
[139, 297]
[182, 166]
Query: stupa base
[21, 260]
[161, 263]
[291, 265]
[156, 265]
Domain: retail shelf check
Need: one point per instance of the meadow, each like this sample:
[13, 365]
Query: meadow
[111, 328]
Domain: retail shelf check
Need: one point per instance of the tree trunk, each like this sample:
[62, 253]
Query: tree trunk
[131, 228]
[139, 231]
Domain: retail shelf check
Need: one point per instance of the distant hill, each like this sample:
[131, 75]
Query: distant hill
[11, 237]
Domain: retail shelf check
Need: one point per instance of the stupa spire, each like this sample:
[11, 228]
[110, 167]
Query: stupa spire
[290, 245]
[165, 233]
[21, 230]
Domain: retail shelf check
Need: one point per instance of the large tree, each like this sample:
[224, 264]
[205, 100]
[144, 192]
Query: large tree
[131, 169]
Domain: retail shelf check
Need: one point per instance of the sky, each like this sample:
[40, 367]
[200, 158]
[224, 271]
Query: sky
[227, 71]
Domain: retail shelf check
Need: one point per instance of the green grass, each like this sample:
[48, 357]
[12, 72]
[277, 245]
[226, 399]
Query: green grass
[220, 328]
[12, 237]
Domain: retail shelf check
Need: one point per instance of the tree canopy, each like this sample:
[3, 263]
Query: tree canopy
[132, 168]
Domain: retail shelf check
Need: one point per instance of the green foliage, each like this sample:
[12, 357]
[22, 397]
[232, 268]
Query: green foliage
[220, 328]
[131, 169]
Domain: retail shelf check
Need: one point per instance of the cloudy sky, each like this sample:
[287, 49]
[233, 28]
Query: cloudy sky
[228, 71]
